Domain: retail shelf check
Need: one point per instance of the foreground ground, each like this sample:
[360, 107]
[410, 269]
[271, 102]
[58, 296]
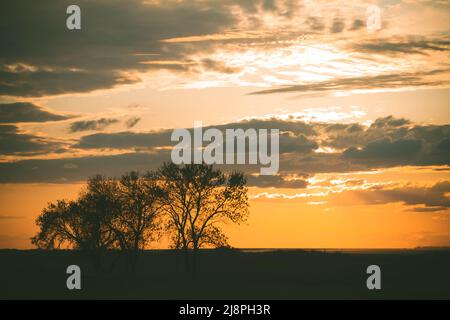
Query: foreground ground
[284, 274]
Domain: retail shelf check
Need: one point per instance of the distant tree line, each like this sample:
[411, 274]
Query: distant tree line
[188, 203]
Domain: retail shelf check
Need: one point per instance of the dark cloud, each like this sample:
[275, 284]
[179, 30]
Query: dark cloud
[315, 24]
[133, 121]
[390, 121]
[428, 209]
[118, 40]
[293, 136]
[218, 66]
[275, 181]
[386, 149]
[388, 142]
[291, 125]
[358, 24]
[26, 112]
[430, 199]
[442, 147]
[40, 83]
[386, 81]
[125, 140]
[78, 169]
[269, 5]
[338, 25]
[430, 133]
[12, 142]
[342, 136]
[410, 45]
[41, 56]
[87, 125]
[349, 128]
[296, 143]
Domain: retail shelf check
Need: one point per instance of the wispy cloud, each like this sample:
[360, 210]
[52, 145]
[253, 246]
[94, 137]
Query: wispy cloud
[131, 122]
[92, 125]
[385, 81]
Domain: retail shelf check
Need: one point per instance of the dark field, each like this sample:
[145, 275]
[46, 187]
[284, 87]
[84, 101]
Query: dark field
[231, 274]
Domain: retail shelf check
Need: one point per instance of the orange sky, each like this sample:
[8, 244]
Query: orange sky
[365, 113]
[338, 220]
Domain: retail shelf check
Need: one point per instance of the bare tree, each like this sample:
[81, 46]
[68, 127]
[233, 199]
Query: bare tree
[137, 223]
[99, 206]
[60, 225]
[108, 214]
[193, 200]
[199, 199]
[82, 224]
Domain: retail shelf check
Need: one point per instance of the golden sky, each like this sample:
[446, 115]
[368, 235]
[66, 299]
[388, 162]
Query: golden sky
[363, 110]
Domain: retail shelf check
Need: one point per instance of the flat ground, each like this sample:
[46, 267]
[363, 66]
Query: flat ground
[231, 274]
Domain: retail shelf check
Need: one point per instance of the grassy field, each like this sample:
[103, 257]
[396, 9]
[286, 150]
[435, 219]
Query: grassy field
[231, 274]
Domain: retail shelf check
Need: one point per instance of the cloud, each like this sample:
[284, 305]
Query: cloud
[293, 136]
[12, 142]
[290, 142]
[43, 57]
[338, 25]
[58, 170]
[387, 142]
[315, 23]
[429, 199]
[125, 140]
[275, 181]
[305, 148]
[442, 147]
[343, 136]
[408, 45]
[87, 125]
[130, 123]
[26, 112]
[386, 149]
[192, 38]
[218, 66]
[427, 209]
[384, 81]
[390, 121]
[358, 24]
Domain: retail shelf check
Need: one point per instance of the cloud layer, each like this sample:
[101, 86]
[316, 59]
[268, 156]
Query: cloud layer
[423, 199]
[26, 112]
[306, 148]
[13, 142]
[119, 42]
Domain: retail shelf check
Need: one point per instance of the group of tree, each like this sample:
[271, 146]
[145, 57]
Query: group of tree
[187, 203]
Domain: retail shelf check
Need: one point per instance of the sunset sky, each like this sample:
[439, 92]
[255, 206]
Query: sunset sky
[363, 113]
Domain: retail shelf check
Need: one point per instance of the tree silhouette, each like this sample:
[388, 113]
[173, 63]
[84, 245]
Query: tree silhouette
[126, 214]
[139, 217]
[61, 225]
[198, 200]
[108, 214]
[99, 206]
[82, 224]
